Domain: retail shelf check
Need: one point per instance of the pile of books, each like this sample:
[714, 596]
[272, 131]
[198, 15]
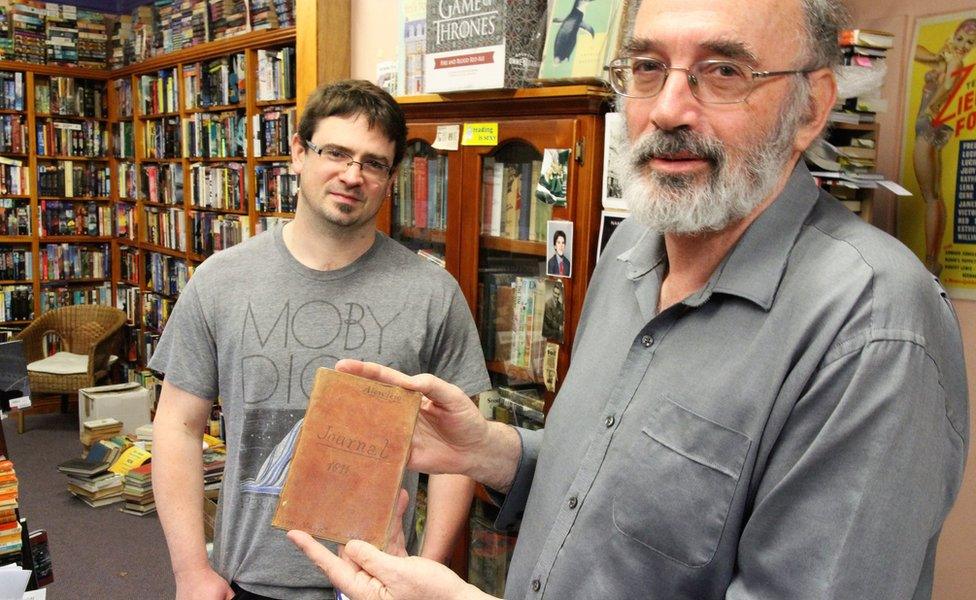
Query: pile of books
[92, 39]
[144, 434]
[10, 527]
[99, 429]
[137, 492]
[89, 477]
[864, 53]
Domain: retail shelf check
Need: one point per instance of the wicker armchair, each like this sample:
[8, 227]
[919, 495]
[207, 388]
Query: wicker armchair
[86, 329]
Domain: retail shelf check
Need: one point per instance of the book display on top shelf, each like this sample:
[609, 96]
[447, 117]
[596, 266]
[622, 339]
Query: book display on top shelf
[470, 48]
[64, 35]
[581, 38]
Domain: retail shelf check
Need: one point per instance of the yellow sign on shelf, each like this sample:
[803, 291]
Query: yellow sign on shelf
[480, 134]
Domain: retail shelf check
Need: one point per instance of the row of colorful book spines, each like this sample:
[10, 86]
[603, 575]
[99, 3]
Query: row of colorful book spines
[165, 229]
[215, 140]
[212, 235]
[16, 264]
[166, 274]
[528, 220]
[14, 180]
[13, 134]
[217, 194]
[12, 88]
[18, 303]
[65, 261]
[162, 138]
[69, 218]
[15, 220]
[69, 96]
[127, 300]
[123, 95]
[51, 299]
[155, 311]
[277, 193]
[159, 92]
[90, 141]
[273, 135]
[73, 181]
[213, 91]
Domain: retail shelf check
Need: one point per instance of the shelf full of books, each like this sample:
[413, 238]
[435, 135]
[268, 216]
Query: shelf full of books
[497, 234]
[65, 35]
[844, 161]
[115, 184]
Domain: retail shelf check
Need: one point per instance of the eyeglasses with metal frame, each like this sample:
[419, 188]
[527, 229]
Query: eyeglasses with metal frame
[372, 169]
[711, 81]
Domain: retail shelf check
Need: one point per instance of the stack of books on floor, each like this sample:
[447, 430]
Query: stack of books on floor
[10, 527]
[89, 478]
[137, 491]
[144, 436]
[99, 429]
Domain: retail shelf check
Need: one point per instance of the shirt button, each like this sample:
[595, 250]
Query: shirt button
[536, 585]
[647, 340]
[609, 421]
[573, 502]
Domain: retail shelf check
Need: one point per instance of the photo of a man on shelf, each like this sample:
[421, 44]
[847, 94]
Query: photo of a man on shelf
[559, 263]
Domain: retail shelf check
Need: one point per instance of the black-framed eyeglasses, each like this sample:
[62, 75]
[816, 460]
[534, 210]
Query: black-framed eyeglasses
[711, 81]
[372, 169]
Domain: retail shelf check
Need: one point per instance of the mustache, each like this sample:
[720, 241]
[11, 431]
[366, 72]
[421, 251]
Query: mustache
[680, 141]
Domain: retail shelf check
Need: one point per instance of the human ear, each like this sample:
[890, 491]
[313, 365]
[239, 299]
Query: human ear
[823, 94]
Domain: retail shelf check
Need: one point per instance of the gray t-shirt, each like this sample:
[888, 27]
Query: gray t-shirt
[253, 325]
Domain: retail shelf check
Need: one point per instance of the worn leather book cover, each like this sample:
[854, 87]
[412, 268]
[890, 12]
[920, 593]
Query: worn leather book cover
[348, 464]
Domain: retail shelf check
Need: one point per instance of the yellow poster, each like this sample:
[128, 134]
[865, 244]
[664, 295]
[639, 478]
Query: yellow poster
[939, 150]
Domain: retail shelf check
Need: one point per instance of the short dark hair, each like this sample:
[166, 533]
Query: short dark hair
[559, 234]
[356, 97]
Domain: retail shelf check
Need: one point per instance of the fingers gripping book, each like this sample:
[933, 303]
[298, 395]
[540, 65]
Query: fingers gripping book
[346, 472]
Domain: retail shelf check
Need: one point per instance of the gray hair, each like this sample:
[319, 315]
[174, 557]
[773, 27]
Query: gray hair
[823, 20]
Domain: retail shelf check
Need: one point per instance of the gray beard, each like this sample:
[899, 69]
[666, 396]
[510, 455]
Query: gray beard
[732, 188]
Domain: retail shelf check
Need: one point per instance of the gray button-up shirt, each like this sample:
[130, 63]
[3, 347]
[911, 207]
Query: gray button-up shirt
[795, 429]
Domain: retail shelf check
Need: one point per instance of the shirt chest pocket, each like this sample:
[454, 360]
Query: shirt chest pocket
[682, 473]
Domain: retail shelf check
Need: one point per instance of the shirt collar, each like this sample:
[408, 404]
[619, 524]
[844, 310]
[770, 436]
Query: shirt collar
[754, 267]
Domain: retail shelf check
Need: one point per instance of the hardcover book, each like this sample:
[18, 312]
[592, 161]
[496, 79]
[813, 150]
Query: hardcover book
[485, 44]
[346, 472]
[581, 37]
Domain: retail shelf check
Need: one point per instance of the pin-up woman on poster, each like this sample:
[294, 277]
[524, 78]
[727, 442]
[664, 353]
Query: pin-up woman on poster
[931, 136]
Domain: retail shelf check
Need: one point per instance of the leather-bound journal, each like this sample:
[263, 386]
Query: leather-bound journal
[348, 464]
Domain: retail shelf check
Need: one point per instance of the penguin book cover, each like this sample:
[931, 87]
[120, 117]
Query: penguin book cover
[483, 44]
[581, 38]
[349, 460]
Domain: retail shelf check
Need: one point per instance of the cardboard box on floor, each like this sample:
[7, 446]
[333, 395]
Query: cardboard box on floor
[128, 402]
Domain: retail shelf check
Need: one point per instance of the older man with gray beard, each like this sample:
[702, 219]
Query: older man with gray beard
[767, 397]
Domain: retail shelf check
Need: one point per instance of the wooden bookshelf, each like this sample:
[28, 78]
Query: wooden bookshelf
[529, 121]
